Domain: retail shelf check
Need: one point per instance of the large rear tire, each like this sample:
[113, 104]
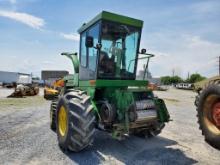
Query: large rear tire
[75, 121]
[208, 112]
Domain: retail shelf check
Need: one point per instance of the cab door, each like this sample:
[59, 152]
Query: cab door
[88, 55]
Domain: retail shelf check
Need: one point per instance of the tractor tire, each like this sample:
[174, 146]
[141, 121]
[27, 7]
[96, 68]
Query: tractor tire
[214, 82]
[53, 108]
[208, 113]
[75, 121]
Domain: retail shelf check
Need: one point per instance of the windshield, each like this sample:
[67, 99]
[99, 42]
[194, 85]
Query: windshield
[119, 49]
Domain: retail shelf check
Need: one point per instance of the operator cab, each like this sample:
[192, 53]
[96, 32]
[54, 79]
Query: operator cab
[109, 47]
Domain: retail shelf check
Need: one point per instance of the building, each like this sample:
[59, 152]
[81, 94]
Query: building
[49, 76]
[53, 74]
[15, 77]
[155, 80]
[140, 75]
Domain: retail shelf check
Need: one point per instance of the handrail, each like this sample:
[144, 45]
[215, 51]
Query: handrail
[141, 58]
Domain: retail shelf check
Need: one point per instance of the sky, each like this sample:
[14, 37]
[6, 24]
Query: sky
[183, 35]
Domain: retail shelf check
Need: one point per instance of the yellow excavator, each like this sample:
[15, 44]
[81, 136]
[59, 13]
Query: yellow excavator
[51, 92]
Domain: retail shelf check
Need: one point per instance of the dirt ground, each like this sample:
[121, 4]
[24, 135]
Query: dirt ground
[25, 137]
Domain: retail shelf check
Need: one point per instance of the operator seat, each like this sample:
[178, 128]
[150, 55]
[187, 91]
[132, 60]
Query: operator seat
[106, 64]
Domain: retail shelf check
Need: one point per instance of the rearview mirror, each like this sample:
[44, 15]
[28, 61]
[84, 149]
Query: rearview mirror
[143, 51]
[98, 46]
[89, 41]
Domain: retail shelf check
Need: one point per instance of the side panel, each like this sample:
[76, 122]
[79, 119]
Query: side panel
[162, 111]
[113, 83]
[116, 91]
[122, 99]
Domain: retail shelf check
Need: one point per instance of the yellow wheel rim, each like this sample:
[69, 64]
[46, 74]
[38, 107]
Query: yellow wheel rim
[62, 121]
[207, 114]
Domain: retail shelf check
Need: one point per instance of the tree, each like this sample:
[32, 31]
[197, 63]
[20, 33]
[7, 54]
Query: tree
[195, 78]
[167, 80]
[176, 79]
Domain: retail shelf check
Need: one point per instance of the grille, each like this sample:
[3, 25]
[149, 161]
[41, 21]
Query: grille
[145, 104]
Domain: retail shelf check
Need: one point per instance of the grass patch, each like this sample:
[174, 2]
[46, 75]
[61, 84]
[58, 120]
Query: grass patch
[21, 102]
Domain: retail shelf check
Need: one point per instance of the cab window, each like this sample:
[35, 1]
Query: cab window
[92, 58]
[83, 59]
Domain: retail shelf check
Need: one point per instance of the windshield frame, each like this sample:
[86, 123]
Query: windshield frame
[133, 77]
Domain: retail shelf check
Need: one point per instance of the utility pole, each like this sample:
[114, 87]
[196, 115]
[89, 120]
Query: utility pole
[188, 75]
[173, 72]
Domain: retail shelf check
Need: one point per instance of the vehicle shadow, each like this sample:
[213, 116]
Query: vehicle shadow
[132, 150]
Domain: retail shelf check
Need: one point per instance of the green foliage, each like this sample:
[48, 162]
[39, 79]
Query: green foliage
[165, 80]
[168, 80]
[195, 78]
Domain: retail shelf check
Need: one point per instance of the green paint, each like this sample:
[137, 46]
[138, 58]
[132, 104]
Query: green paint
[114, 83]
[91, 92]
[122, 99]
[96, 110]
[162, 111]
[104, 15]
[74, 59]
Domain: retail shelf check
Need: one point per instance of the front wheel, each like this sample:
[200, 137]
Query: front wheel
[75, 121]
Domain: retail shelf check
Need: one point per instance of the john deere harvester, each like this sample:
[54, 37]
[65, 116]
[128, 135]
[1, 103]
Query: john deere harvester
[103, 93]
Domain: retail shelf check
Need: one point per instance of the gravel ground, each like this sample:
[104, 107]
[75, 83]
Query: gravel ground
[25, 137]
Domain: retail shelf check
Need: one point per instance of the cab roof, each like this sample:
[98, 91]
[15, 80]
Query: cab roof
[104, 15]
